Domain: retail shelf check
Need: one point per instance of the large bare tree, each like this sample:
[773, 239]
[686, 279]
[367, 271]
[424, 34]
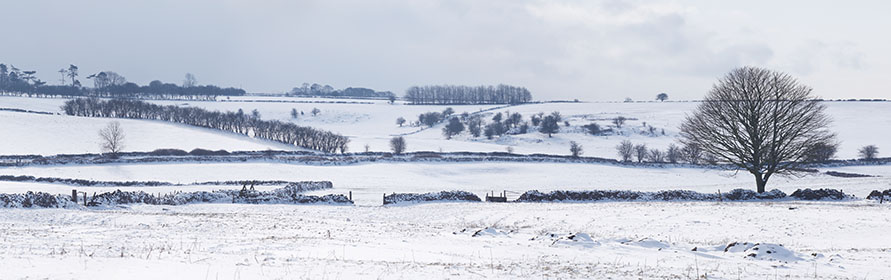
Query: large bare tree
[112, 138]
[758, 120]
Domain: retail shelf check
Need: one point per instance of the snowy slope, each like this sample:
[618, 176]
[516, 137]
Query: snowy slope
[25, 133]
[856, 123]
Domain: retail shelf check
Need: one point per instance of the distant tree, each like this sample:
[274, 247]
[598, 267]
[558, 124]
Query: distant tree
[497, 117]
[656, 155]
[524, 128]
[397, 144]
[112, 138]
[628, 100]
[448, 112]
[509, 149]
[190, 81]
[536, 119]
[592, 128]
[619, 121]
[454, 127]
[662, 97]
[869, 152]
[294, 113]
[72, 73]
[255, 114]
[692, 153]
[400, 121]
[821, 152]
[367, 148]
[549, 126]
[640, 151]
[64, 73]
[392, 99]
[575, 149]
[557, 116]
[315, 111]
[626, 150]
[514, 119]
[489, 132]
[475, 125]
[430, 118]
[673, 154]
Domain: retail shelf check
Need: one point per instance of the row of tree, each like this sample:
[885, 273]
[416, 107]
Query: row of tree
[314, 89]
[450, 94]
[237, 122]
[105, 84]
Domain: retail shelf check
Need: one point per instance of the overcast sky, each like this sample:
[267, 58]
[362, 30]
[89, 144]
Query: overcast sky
[590, 50]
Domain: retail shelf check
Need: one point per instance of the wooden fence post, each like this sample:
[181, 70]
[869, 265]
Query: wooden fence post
[74, 196]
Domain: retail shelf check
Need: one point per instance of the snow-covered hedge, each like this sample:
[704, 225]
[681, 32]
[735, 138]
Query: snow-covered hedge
[290, 194]
[434, 196]
[669, 195]
[88, 183]
[38, 199]
[880, 195]
[819, 194]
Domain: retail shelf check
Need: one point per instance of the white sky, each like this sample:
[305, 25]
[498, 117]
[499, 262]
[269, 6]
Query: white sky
[590, 50]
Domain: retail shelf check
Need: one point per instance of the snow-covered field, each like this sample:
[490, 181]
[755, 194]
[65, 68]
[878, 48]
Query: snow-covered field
[618, 240]
[641, 240]
[25, 134]
[856, 123]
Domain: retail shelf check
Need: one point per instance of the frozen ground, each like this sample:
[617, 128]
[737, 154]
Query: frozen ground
[857, 123]
[25, 133]
[618, 240]
[369, 181]
[647, 240]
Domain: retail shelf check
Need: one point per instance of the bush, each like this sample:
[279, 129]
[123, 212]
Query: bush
[203, 152]
[882, 196]
[440, 196]
[168, 152]
[819, 194]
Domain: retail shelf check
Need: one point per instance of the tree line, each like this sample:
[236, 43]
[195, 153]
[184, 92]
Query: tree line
[105, 84]
[450, 94]
[237, 122]
[314, 89]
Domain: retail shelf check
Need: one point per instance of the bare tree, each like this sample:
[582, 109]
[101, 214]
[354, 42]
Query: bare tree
[640, 152]
[112, 138]
[400, 121]
[315, 111]
[869, 152]
[190, 81]
[673, 154]
[656, 155]
[575, 149]
[619, 121]
[626, 150]
[758, 120]
[662, 97]
[397, 144]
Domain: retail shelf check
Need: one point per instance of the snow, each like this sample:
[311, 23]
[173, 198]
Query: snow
[456, 240]
[372, 122]
[25, 133]
[370, 181]
[650, 240]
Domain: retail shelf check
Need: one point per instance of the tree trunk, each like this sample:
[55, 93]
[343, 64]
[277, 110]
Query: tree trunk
[759, 180]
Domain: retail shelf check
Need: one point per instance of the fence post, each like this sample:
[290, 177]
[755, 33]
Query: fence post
[74, 196]
[351, 195]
